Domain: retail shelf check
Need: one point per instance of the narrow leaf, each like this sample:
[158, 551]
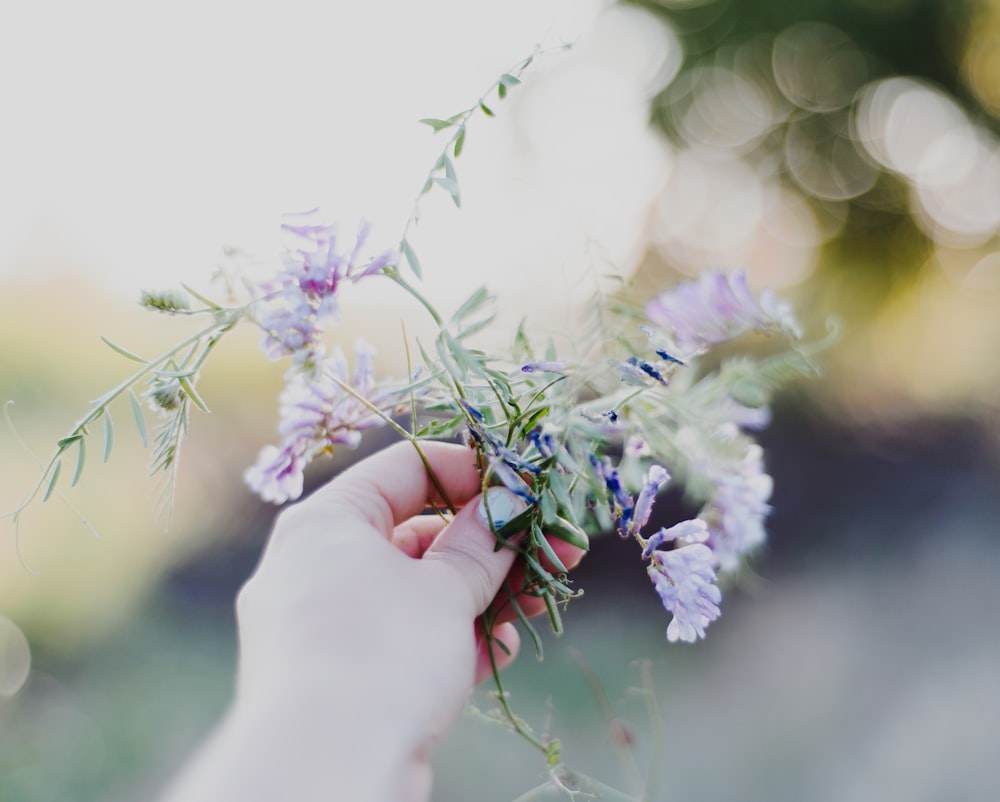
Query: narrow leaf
[474, 301]
[546, 547]
[208, 302]
[140, 420]
[509, 80]
[66, 442]
[123, 351]
[502, 90]
[411, 258]
[459, 142]
[81, 456]
[564, 530]
[450, 186]
[486, 109]
[109, 435]
[436, 124]
[52, 481]
[191, 393]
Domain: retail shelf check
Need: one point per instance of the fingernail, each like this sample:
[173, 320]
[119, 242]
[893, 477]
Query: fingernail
[503, 506]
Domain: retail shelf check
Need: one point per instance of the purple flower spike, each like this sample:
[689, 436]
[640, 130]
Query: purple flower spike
[717, 308]
[685, 581]
[656, 477]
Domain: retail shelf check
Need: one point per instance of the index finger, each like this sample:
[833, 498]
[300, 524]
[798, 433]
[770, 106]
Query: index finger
[392, 486]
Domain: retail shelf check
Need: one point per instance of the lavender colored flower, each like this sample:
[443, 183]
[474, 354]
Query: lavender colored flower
[655, 478]
[716, 308]
[277, 475]
[737, 508]
[303, 296]
[316, 414]
[685, 581]
[687, 532]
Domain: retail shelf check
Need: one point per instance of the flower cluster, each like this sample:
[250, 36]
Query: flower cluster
[717, 308]
[320, 409]
[303, 296]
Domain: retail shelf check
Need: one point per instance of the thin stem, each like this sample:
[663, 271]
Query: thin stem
[515, 722]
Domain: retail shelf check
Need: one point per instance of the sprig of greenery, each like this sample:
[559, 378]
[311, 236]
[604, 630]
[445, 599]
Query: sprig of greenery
[171, 376]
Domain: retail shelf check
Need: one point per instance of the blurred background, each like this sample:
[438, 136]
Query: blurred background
[845, 152]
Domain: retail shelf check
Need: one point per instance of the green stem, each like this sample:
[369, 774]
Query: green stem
[515, 722]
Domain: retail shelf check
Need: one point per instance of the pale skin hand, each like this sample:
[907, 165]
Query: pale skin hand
[358, 643]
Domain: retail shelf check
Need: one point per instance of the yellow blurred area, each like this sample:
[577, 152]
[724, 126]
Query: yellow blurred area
[62, 585]
[981, 57]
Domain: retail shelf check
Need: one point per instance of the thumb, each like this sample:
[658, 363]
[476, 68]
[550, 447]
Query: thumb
[467, 546]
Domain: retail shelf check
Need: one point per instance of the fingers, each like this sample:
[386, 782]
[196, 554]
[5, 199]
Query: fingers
[393, 485]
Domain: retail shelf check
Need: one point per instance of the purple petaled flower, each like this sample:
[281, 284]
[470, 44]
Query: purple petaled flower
[276, 476]
[303, 295]
[317, 413]
[717, 308]
[737, 508]
[685, 581]
[686, 532]
[655, 478]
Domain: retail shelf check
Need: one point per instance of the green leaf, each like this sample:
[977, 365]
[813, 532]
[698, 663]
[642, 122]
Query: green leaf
[459, 142]
[547, 548]
[411, 258]
[208, 302]
[450, 186]
[123, 351]
[470, 304]
[570, 533]
[109, 435]
[52, 481]
[140, 419]
[81, 456]
[436, 124]
[509, 80]
[486, 109]
[502, 90]
[66, 442]
[190, 392]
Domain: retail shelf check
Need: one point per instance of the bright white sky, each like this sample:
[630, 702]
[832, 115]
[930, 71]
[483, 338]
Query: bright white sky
[138, 139]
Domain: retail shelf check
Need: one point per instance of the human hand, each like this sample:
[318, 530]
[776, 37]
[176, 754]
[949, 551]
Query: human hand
[358, 642]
